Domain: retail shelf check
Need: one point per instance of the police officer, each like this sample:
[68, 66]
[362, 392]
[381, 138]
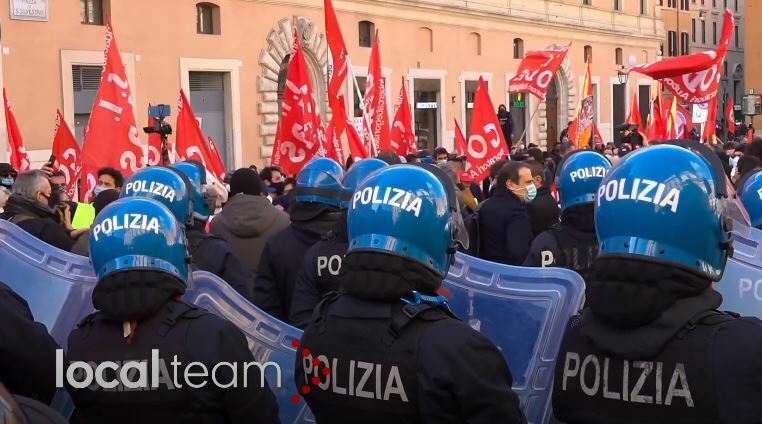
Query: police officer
[322, 262]
[140, 258]
[210, 252]
[318, 197]
[651, 346]
[749, 189]
[392, 350]
[572, 243]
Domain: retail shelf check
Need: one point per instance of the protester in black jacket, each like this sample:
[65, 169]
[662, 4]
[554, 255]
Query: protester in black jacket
[505, 231]
[543, 210]
[28, 207]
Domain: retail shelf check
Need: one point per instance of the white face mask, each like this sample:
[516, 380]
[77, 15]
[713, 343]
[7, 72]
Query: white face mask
[734, 161]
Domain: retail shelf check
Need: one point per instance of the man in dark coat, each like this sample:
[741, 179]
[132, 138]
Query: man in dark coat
[543, 211]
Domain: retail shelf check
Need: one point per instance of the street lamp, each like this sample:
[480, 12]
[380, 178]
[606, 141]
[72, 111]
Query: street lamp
[622, 75]
[725, 105]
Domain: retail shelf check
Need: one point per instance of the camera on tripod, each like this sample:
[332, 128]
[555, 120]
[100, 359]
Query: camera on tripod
[158, 113]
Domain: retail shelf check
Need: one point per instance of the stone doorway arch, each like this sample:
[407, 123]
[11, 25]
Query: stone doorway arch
[565, 102]
[279, 45]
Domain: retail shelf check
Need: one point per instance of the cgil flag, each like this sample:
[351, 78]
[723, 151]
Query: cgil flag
[375, 112]
[402, 135]
[67, 153]
[486, 144]
[192, 144]
[536, 71]
[19, 157]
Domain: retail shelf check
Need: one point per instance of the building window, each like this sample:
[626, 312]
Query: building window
[726, 3]
[643, 7]
[685, 5]
[672, 44]
[426, 39]
[588, 53]
[587, 2]
[518, 48]
[714, 33]
[684, 43]
[714, 3]
[91, 11]
[703, 32]
[618, 56]
[476, 43]
[736, 6]
[693, 30]
[672, 4]
[86, 79]
[737, 40]
[207, 18]
[367, 30]
[618, 5]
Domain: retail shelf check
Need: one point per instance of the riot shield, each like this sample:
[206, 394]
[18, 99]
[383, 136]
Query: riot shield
[270, 340]
[523, 311]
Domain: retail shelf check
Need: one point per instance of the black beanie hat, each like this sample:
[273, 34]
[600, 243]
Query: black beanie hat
[246, 181]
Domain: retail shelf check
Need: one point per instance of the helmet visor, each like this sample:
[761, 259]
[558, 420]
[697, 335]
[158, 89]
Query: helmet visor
[459, 232]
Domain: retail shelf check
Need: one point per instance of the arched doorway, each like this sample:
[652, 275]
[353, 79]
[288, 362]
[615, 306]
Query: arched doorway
[551, 114]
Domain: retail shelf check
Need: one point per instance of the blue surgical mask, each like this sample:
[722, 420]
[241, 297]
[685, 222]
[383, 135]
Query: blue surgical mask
[531, 193]
[7, 182]
[99, 189]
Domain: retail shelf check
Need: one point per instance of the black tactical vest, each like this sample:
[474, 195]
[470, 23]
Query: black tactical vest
[371, 351]
[675, 386]
[330, 254]
[574, 253]
[97, 340]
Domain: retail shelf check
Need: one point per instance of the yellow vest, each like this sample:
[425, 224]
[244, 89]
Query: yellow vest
[84, 216]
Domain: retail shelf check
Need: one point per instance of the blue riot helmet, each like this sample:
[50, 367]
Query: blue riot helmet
[579, 176]
[320, 182]
[750, 193]
[136, 233]
[409, 211]
[202, 195]
[354, 176]
[665, 204]
[169, 186]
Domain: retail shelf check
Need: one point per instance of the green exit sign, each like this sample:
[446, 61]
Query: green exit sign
[518, 100]
[517, 103]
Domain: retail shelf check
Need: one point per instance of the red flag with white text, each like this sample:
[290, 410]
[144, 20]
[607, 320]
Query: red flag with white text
[693, 78]
[192, 144]
[299, 137]
[536, 71]
[402, 135]
[67, 153]
[339, 67]
[111, 138]
[460, 140]
[486, 144]
[730, 117]
[375, 102]
[19, 158]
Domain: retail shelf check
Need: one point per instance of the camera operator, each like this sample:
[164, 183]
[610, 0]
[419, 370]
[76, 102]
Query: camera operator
[35, 207]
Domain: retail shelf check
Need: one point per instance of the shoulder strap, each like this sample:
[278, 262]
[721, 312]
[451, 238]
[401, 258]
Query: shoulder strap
[402, 317]
[177, 311]
[710, 317]
[318, 314]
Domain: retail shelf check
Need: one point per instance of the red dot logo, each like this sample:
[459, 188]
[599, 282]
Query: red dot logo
[306, 389]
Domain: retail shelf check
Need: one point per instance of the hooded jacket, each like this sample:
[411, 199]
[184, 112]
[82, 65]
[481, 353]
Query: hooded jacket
[282, 257]
[38, 220]
[247, 222]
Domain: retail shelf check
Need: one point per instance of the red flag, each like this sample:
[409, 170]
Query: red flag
[634, 117]
[111, 138]
[19, 157]
[298, 139]
[709, 131]
[536, 71]
[66, 151]
[375, 102]
[656, 125]
[730, 117]
[153, 154]
[693, 78]
[486, 144]
[190, 142]
[334, 150]
[402, 135]
[684, 122]
[581, 130]
[340, 60]
[460, 140]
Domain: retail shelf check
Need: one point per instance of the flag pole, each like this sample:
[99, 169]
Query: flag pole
[531, 117]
